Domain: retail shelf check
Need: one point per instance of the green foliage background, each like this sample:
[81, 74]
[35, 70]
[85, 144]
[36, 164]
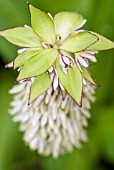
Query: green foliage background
[98, 153]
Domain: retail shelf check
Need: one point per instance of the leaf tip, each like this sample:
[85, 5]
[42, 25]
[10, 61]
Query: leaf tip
[18, 78]
[98, 85]
[28, 3]
[80, 103]
[30, 6]
[29, 103]
[1, 33]
[31, 99]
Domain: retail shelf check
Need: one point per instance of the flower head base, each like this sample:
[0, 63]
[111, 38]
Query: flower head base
[55, 88]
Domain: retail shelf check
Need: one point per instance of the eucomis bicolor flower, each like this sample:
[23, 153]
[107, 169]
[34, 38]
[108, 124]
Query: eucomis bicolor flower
[54, 90]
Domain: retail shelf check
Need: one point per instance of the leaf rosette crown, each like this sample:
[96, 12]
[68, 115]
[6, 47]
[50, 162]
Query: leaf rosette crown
[55, 45]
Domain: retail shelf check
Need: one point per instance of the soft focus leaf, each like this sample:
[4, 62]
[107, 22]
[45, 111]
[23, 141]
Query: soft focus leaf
[66, 23]
[79, 41]
[72, 82]
[42, 24]
[38, 64]
[87, 76]
[21, 36]
[40, 85]
[102, 44]
[22, 58]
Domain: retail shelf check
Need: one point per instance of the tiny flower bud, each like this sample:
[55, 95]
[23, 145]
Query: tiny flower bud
[9, 65]
[66, 60]
[46, 45]
[58, 38]
[82, 61]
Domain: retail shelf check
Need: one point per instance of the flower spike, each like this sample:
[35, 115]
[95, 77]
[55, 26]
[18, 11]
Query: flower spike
[54, 89]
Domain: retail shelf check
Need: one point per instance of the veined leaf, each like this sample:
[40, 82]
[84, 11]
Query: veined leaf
[87, 76]
[67, 22]
[38, 64]
[79, 41]
[21, 36]
[102, 44]
[39, 86]
[22, 58]
[72, 82]
[42, 24]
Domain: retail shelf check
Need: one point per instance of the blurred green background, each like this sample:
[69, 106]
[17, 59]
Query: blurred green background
[98, 153]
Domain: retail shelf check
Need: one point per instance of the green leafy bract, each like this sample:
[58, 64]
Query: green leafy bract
[102, 44]
[39, 86]
[42, 24]
[21, 36]
[72, 82]
[22, 58]
[38, 64]
[87, 76]
[79, 41]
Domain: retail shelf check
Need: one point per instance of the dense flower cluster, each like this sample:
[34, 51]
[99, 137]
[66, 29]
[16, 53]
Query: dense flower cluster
[51, 124]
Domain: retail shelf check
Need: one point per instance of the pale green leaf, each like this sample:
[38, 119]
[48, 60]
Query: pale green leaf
[22, 58]
[42, 24]
[39, 86]
[72, 82]
[21, 36]
[79, 41]
[102, 44]
[87, 76]
[67, 22]
[38, 64]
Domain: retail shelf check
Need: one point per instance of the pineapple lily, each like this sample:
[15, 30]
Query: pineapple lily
[54, 90]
